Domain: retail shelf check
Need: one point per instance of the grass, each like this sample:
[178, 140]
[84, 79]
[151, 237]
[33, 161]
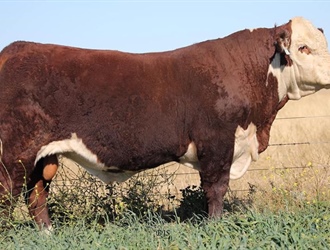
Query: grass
[287, 210]
[305, 228]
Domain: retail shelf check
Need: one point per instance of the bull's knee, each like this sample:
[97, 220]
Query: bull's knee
[50, 167]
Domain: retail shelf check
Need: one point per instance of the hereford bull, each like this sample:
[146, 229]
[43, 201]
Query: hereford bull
[209, 106]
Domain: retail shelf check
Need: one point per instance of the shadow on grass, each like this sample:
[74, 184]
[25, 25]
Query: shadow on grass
[70, 207]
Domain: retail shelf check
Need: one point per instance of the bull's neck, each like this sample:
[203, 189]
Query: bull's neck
[286, 78]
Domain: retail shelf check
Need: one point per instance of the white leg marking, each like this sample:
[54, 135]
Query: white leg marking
[245, 151]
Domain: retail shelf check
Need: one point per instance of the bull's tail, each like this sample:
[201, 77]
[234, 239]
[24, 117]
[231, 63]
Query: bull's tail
[1, 150]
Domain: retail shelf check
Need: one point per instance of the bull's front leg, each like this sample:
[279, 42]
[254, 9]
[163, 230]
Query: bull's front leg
[215, 187]
[215, 159]
[38, 189]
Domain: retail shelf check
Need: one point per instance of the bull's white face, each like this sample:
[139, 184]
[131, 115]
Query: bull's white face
[308, 73]
[310, 69]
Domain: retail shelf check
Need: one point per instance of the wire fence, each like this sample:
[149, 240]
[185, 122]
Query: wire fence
[312, 143]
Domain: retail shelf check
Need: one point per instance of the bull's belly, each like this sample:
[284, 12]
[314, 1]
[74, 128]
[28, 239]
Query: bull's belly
[107, 174]
[75, 150]
[246, 150]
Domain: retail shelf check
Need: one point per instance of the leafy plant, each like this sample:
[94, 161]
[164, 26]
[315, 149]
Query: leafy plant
[193, 201]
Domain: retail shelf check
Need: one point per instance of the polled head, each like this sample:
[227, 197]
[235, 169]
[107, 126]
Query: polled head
[302, 62]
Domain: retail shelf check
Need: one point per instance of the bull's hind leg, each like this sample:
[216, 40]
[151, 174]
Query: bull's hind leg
[38, 189]
[8, 195]
[12, 179]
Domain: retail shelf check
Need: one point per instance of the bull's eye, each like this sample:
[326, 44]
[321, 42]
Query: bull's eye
[304, 49]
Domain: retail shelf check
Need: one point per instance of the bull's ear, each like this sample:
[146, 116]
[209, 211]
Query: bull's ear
[282, 45]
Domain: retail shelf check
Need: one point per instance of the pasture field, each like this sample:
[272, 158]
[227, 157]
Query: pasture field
[307, 227]
[287, 214]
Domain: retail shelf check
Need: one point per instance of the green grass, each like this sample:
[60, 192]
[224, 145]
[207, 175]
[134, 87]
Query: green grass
[87, 215]
[307, 227]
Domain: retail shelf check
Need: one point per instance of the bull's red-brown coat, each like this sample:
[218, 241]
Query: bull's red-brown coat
[136, 111]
